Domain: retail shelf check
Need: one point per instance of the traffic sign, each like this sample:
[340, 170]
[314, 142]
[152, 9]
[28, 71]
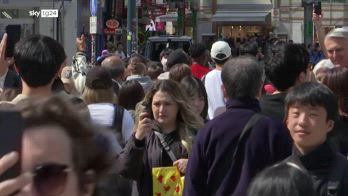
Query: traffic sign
[93, 25]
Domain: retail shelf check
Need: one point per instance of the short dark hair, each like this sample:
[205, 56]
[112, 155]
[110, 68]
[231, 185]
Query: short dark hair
[284, 62]
[220, 62]
[165, 52]
[130, 93]
[154, 69]
[176, 57]
[242, 77]
[314, 94]
[248, 48]
[137, 58]
[197, 50]
[285, 179]
[38, 59]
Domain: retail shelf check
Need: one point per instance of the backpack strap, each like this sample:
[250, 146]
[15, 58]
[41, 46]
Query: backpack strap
[117, 124]
[230, 160]
[336, 175]
[166, 146]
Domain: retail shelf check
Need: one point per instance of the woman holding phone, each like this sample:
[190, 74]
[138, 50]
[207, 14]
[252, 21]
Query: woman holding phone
[168, 113]
[59, 155]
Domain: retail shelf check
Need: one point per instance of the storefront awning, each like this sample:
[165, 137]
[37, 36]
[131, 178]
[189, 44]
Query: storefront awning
[237, 16]
[170, 17]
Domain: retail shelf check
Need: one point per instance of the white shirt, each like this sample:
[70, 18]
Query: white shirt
[121, 54]
[325, 63]
[213, 84]
[103, 114]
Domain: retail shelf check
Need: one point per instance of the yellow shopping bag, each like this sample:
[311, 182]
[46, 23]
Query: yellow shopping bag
[167, 181]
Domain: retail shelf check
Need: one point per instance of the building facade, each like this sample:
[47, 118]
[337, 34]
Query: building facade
[288, 18]
[65, 28]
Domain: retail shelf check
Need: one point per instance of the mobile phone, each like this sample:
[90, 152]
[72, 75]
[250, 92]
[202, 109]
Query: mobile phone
[146, 108]
[83, 31]
[317, 6]
[11, 130]
[13, 36]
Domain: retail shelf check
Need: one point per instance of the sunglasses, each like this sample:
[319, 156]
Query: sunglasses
[50, 179]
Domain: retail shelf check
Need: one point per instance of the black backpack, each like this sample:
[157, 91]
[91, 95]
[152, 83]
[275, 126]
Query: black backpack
[117, 124]
[114, 184]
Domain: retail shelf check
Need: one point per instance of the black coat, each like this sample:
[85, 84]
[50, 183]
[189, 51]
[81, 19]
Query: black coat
[139, 157]
[321, 164]
[267, 143]
[12, 80]
[338, 137]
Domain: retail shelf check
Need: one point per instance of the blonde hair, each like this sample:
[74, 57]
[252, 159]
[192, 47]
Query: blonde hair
[188, 121]
[99, 95]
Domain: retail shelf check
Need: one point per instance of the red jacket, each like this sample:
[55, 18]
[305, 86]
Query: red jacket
[199, 71]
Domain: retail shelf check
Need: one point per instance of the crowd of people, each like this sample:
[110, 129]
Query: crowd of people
[270, 121]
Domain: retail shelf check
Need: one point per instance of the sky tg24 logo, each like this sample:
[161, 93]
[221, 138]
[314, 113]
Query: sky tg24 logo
[45, 13]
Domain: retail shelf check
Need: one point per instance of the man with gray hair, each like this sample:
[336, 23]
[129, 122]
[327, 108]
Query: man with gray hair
[335, 42]
[233, 147]
[336, 45]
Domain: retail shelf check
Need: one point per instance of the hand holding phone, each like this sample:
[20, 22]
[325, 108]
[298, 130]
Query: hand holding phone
[11, 129]
[145, 123]
[81, 43]
[317, 7]
[4, 61]
[3, 44]
[83, 30]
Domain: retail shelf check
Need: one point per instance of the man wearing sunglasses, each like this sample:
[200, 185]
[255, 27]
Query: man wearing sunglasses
[61, 153]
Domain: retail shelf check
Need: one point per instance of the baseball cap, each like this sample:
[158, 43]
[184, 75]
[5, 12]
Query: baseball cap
[220, 50]
[98, 78]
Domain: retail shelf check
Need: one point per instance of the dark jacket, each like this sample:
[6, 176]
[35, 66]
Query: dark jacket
[12, 80]
[321, 164]
[267, 143]
[139, 157]
[273, 106]
[338, 137]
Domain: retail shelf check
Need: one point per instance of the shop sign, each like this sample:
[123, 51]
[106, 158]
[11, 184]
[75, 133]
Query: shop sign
[109, 31]
[112, 24]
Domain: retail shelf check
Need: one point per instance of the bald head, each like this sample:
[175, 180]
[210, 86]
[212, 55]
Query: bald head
[115, 66]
